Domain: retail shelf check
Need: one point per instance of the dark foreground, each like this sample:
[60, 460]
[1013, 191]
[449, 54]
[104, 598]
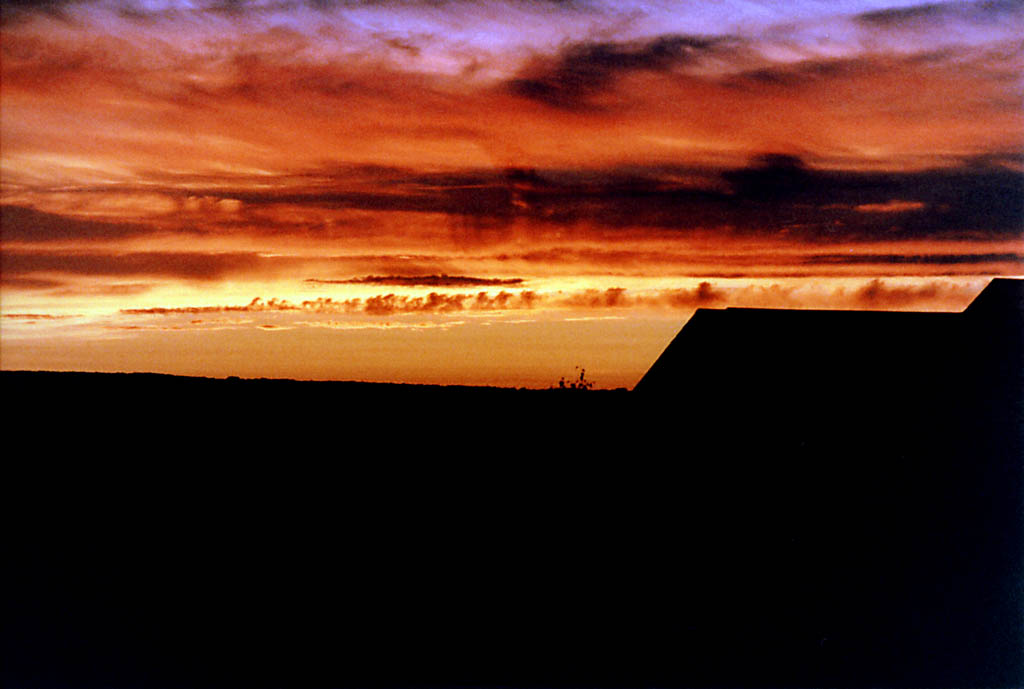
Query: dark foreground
[167, 532]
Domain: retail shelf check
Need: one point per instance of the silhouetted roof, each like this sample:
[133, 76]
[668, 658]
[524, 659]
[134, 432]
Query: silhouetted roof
[721, 352]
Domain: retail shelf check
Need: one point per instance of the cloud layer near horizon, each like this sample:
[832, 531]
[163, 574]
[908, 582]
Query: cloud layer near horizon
[873, 294]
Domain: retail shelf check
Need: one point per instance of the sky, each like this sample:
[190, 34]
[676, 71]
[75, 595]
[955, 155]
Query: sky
[498, 192]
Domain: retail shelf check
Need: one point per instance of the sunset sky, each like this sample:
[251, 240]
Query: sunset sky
[492, 192]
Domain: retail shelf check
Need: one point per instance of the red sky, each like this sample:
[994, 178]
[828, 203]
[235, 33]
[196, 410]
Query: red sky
[488, 192]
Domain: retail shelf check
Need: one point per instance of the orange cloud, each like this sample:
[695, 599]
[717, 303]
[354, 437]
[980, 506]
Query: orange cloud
[893, 206]
[874, 294]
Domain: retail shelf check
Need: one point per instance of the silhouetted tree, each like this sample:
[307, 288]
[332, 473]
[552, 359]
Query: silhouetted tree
[580, 383]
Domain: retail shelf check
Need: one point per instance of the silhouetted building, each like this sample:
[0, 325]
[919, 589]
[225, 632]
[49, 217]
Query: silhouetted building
[879, 455]
[804, 355]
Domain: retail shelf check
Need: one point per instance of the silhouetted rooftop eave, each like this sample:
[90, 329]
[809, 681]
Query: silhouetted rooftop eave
[749, 344]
